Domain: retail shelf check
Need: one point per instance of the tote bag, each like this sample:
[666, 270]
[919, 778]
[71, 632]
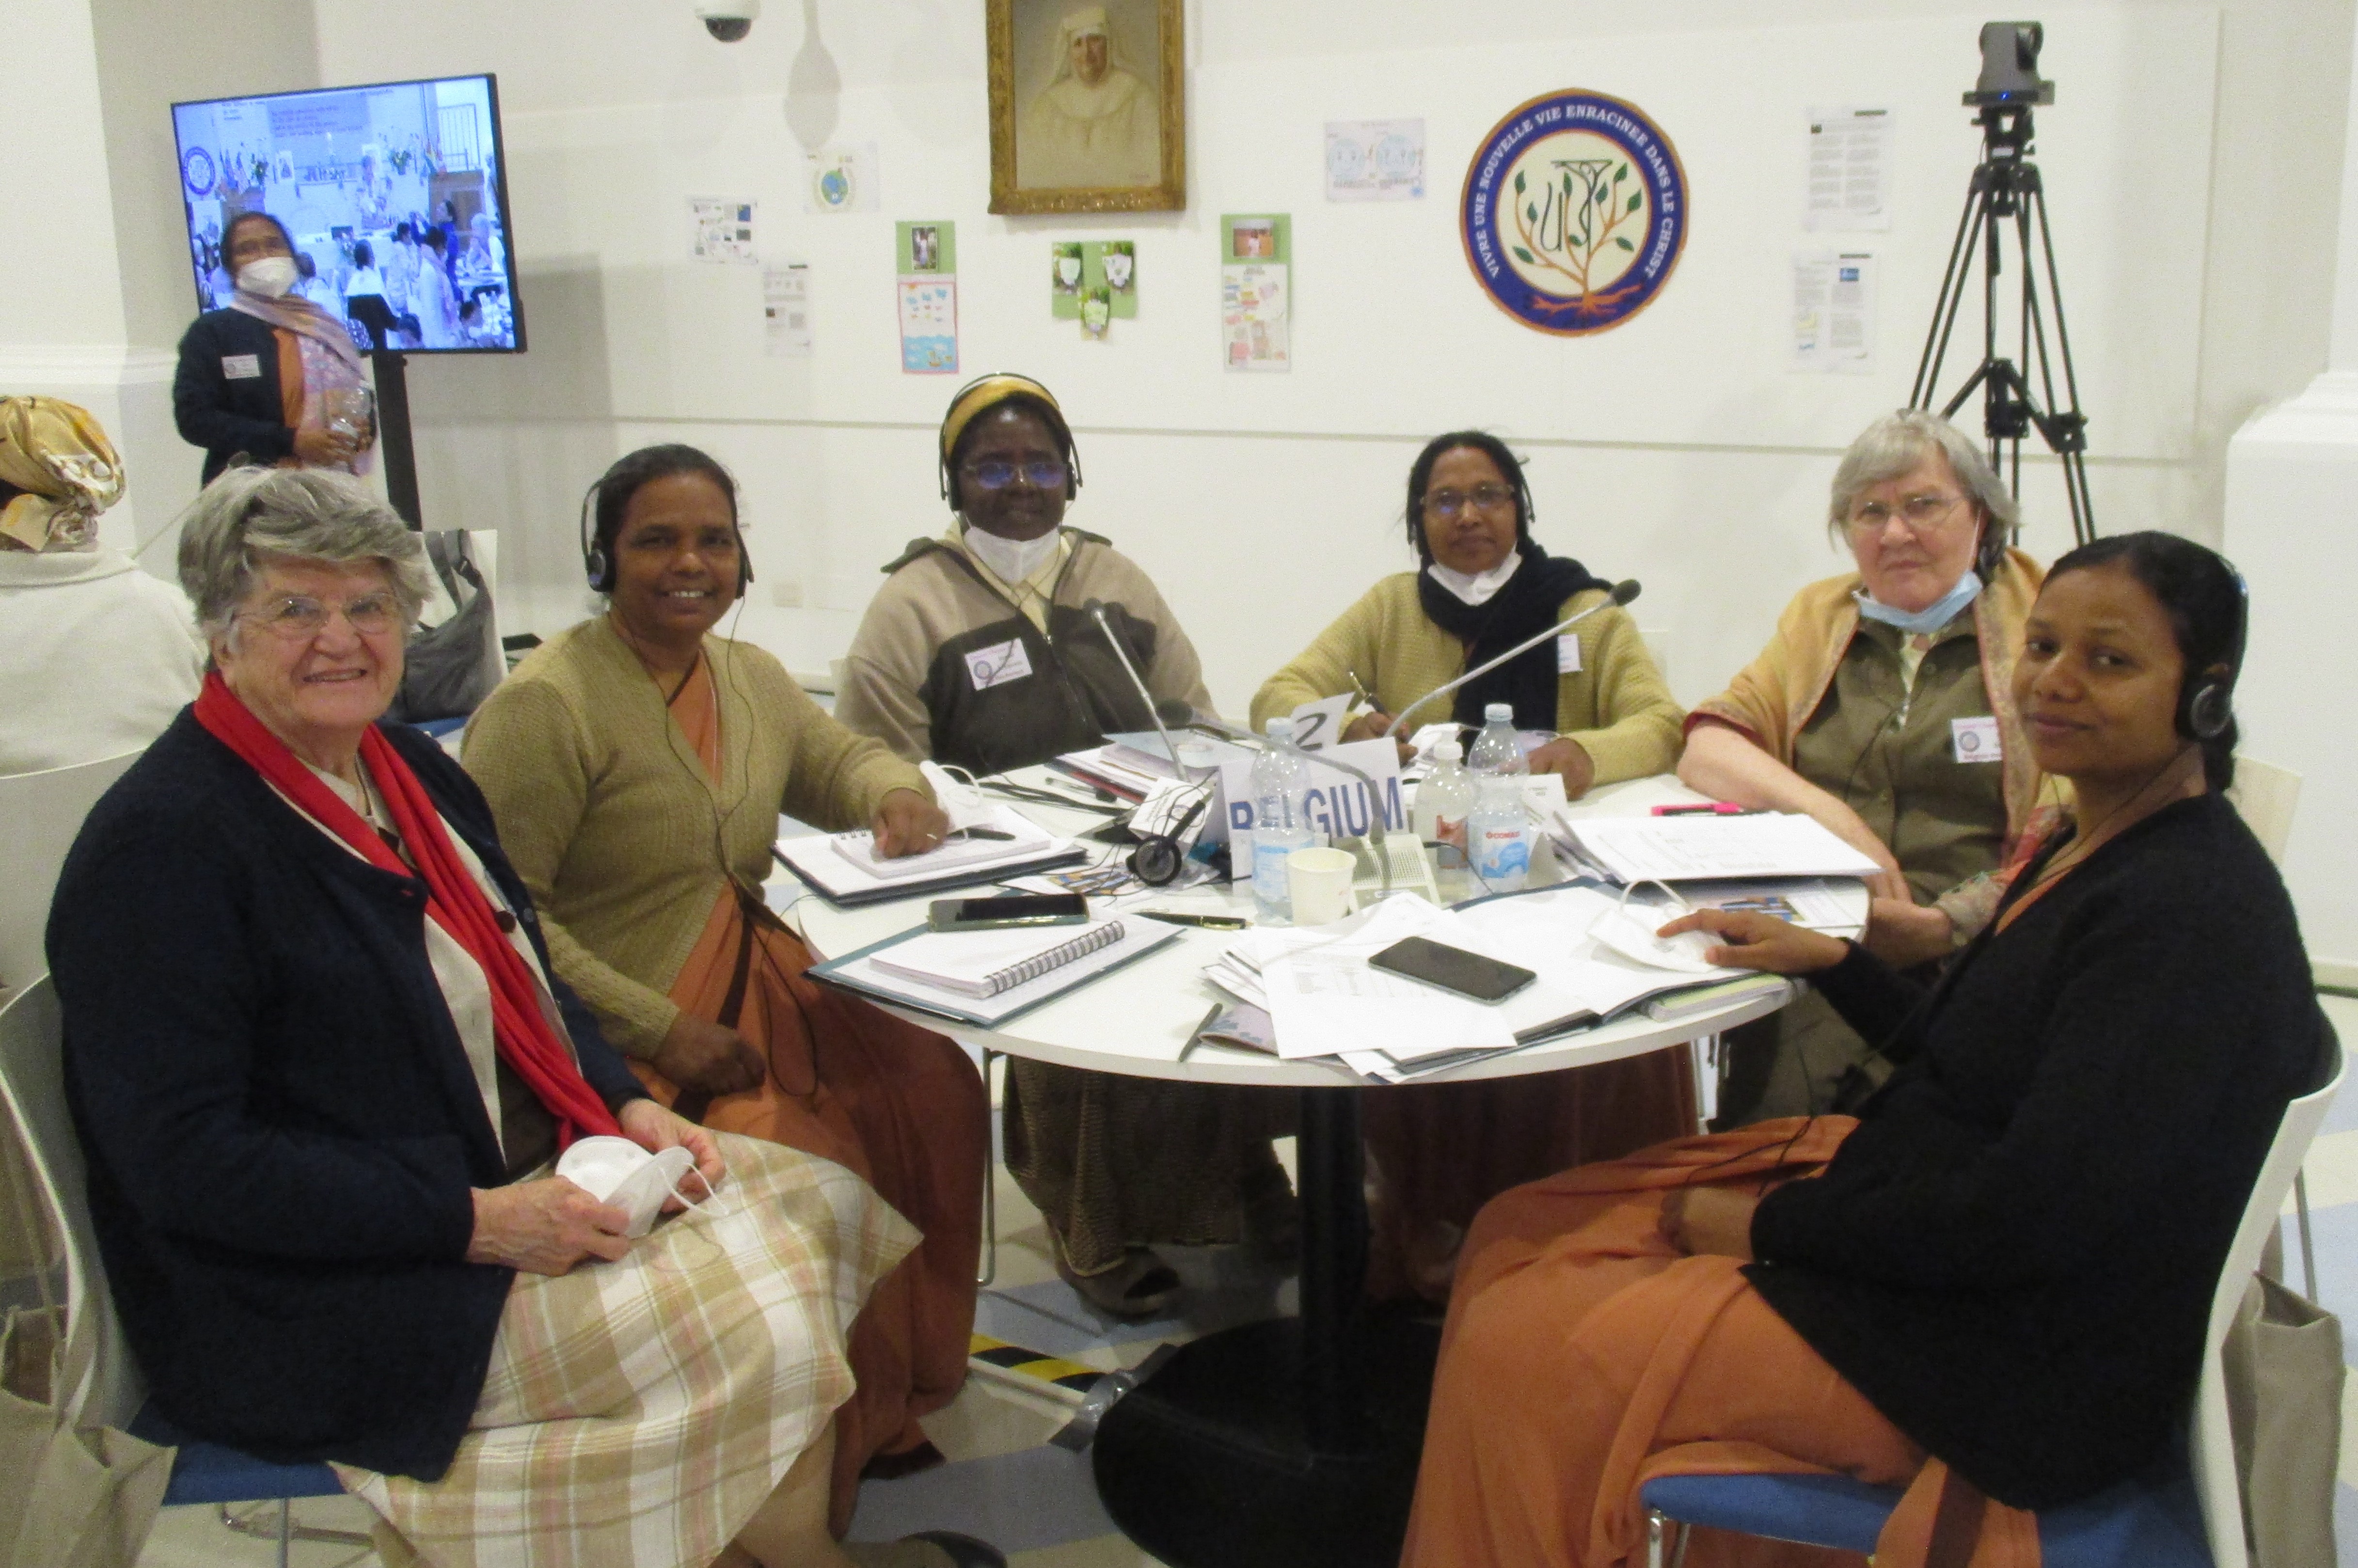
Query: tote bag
[2284, 1372]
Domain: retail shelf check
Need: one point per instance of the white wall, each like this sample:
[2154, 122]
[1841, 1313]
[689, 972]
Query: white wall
[1678, 450]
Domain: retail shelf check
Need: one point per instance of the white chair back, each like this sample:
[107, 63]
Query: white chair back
[103, 1383]
[43, 812]
[2263, 794]
[2213, 1444]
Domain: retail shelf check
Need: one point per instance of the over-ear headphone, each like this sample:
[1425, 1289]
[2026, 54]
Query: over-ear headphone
[2206, 704]
[600, 569]
[1158, 856]
[978, 395]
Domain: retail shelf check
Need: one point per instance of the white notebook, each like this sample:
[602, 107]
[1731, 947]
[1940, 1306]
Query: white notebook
[1024, 840]
[984, 963]
[1688, 849]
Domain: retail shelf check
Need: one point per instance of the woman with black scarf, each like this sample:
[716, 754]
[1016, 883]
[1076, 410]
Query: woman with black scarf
[1438, 1151]
[1487, 585]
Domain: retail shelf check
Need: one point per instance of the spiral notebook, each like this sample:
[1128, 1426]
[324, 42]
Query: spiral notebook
[984, 963]
[863, 974]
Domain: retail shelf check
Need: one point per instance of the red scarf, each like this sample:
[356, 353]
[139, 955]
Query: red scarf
[526, 1040]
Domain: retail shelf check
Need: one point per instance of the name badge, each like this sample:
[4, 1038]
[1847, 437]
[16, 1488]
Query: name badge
[242, 367]
[997, 665]
[1567, 653]
[1976, 740]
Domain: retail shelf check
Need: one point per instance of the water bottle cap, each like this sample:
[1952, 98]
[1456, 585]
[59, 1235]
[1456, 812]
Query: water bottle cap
[1499, 713]
[1279, 729]
[1447, 752]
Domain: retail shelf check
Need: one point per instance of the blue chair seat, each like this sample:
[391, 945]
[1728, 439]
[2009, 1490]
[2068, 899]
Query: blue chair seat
[208, 1473]
[2147, 1523]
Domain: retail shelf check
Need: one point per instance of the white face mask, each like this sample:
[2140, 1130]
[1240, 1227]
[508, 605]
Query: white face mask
[270, 277]
[1476, 589]
[1013, 560]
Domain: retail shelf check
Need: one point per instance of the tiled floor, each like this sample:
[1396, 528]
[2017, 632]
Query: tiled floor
[1008, 1484]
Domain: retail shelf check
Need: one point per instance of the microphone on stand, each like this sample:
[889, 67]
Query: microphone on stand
[1096, 611]
[1157, 859]
[1622, 592]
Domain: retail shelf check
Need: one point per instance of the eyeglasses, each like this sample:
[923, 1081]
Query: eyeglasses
[1919, 512]
[299, 617]
[1448, 503]
[999, 476]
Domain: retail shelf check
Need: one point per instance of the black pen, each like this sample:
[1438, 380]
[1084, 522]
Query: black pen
[1206, 922]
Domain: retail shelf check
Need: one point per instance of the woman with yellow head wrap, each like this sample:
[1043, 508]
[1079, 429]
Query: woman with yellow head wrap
[96, 657]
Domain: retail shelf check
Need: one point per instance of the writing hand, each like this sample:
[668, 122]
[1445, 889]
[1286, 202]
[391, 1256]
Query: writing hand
[906, 823]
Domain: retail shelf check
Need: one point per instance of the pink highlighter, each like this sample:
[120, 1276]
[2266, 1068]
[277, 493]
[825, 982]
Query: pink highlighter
[1707, 808]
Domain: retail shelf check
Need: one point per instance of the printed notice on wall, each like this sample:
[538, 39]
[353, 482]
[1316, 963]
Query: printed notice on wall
[1834, 311]
[842, 179]
[786, 310]
[1256, 292]
[1374, 160]
[721, 230]
[927, 290]
[1850, 171]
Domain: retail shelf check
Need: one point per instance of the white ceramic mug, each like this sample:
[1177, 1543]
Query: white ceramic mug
[1318, 882]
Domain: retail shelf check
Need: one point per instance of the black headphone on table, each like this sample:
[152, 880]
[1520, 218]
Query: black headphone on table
[600, 567]
[1158, 856]
[2206, 705]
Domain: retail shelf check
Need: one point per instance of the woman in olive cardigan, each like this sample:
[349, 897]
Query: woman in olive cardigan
[1438, 1152]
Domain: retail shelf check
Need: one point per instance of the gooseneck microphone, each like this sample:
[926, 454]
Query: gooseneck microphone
[1622, 592]
[1096, 611]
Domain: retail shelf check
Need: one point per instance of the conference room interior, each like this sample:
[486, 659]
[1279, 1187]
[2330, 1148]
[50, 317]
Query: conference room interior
[2200, 184]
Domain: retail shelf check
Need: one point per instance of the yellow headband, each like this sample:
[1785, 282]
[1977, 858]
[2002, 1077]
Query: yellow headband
[978, 395]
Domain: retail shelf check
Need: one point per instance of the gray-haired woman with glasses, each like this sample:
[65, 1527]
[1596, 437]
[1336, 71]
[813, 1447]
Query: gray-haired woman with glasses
[322, 1070]
[1881, 707]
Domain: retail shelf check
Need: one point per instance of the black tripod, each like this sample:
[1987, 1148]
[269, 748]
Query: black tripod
[2005, 185]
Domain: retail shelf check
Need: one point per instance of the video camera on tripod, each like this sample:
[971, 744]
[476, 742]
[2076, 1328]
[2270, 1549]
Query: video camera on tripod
[2005, 187]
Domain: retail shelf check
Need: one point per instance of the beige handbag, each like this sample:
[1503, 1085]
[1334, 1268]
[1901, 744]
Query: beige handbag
[2284, 1372]
[71, 1497]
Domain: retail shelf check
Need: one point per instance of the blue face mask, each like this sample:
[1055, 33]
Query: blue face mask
[1933, 617]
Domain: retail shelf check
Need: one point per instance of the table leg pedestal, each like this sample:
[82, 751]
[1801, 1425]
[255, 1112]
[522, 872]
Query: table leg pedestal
[1292, 1443]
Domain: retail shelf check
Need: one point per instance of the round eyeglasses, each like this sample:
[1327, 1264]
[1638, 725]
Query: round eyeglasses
[1919, 513]
[999, 476]
[1448, 503]
[299, 617]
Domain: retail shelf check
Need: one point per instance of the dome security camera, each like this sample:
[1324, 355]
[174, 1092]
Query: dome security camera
[728, 20]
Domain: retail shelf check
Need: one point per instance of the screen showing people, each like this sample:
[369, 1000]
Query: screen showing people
[393, 195]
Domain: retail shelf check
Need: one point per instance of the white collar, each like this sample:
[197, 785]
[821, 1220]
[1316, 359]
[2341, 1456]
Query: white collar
[1476, 590]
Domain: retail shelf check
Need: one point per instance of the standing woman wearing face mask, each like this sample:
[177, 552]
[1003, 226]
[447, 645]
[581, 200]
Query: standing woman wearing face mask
[254, 375]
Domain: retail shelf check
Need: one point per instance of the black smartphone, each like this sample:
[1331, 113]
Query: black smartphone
[1454, 969]
[1011, 909]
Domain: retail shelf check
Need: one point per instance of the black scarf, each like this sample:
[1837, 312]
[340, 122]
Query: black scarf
[1531, 602]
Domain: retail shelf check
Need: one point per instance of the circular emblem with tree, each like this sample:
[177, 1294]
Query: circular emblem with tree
[1573, 212]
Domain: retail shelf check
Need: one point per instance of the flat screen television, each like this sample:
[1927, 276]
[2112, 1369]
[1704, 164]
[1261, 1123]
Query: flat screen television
[363, 178]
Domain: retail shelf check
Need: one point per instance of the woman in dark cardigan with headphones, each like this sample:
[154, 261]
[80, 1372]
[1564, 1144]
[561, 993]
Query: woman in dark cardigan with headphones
[637, 765]
[1994, 1285]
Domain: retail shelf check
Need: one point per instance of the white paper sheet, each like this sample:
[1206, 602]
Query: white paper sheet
[1834, 311]
[1849, 185]
[1374, 160]
[1327, 999]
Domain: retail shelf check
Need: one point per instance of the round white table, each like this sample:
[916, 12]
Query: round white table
[1288, 1443]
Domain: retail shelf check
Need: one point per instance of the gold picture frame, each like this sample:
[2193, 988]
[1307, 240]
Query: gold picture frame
[1037, 61]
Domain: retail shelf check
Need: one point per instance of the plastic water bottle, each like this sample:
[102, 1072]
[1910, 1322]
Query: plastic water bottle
[1279, 780]
[1498, 835]
[1445, 801]
[1498, 749]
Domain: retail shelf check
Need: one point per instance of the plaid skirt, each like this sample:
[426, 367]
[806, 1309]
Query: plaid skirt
[638, 1412]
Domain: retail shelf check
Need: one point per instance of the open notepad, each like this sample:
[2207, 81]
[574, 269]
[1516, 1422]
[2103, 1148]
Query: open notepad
[862, 972]
[846, 868]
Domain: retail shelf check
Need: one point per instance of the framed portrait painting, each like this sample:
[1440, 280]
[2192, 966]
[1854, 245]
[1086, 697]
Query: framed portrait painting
[1087, 107]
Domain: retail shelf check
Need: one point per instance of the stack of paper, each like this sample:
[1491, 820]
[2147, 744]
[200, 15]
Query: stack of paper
[1320, 998]
[1689, 849]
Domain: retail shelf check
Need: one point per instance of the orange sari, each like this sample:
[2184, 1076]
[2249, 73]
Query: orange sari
[901, 1106]
[1583, 1355]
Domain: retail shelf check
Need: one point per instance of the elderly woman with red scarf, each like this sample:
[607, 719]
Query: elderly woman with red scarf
[322, 1070]
[259, 377]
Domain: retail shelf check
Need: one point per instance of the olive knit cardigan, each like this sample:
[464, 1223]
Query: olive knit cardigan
[608, 816]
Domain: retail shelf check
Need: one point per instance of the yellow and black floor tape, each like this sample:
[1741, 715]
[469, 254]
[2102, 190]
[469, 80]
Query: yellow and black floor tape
[1069, 1376]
